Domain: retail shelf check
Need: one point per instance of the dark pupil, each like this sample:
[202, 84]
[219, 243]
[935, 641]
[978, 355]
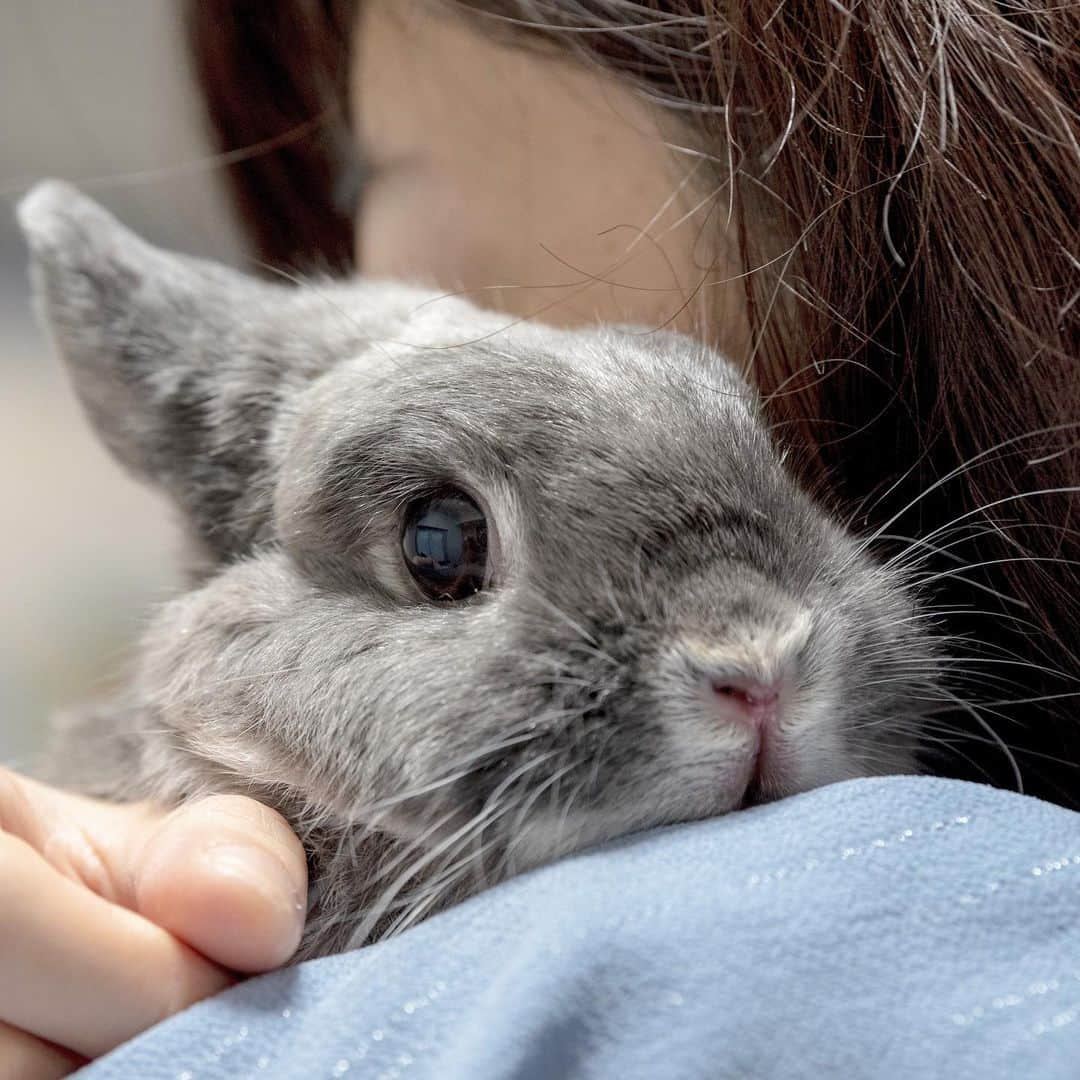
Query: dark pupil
[445, 545]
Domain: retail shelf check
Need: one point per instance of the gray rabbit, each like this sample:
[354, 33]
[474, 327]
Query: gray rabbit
[464, 598]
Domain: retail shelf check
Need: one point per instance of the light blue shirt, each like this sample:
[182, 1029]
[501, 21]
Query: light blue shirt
[905, 927]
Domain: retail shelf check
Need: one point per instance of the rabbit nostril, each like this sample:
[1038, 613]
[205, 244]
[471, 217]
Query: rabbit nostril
[751, 701]
[751, 694]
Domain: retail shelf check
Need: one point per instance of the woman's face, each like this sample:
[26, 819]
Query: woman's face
[536, 187]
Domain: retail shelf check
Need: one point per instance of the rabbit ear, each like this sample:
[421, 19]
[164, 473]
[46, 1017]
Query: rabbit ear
[162, 353]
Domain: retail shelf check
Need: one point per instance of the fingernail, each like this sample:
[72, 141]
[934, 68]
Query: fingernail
[260, 870]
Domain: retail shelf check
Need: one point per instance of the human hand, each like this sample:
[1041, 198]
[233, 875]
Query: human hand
[114, 917]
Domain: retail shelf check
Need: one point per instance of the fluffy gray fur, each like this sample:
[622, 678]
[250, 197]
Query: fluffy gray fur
[644, 532]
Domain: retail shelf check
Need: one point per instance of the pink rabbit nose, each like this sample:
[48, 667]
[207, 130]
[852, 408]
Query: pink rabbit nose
[750, 702]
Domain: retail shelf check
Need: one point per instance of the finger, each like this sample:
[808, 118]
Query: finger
[79, 971]
[228, 876]
[25, 1057]
[82, 838]
[18, 814]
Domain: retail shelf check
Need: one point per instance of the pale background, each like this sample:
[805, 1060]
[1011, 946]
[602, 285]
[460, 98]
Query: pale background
[88, 92]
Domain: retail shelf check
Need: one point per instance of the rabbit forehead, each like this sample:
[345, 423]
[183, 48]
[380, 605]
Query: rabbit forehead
[601, 413]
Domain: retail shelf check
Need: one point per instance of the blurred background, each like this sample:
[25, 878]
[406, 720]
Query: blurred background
[99, 94]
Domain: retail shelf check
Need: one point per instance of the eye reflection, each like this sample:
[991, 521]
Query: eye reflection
[445, 545]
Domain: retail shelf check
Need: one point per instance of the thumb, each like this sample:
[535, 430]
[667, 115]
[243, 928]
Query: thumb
[225, 874]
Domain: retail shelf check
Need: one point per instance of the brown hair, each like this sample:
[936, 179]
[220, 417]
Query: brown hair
[904, 179]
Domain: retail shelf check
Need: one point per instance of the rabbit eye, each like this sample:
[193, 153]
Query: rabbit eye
[445, 544]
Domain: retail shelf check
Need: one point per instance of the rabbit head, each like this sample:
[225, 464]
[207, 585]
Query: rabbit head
[474, 588]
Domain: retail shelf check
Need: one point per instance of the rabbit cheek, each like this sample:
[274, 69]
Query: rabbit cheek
[252, 678]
